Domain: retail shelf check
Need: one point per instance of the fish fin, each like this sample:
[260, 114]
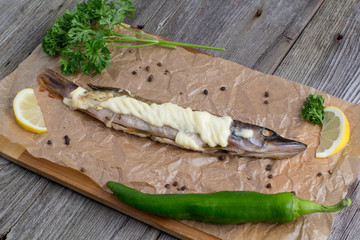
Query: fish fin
[95, 87]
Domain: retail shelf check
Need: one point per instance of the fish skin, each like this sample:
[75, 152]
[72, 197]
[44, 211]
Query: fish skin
[265, 143]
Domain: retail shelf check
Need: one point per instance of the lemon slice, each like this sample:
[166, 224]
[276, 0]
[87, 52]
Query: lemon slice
[335, 133]
[27, 112]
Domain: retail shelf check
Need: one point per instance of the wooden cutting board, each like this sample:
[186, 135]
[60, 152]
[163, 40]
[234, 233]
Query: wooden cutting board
[82, 184]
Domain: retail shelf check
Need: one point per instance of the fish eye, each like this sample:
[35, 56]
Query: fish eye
[266, 133]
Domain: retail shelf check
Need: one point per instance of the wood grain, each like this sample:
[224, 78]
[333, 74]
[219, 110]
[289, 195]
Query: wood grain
[256, 34]
[23, 24]
[82, 184]
[259, 42]
[42, 204]
[327, 57]
[346, 223]
[18, 192]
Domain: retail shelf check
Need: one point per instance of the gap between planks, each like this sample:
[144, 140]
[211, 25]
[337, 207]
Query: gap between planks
[82, 184]
[294, 40]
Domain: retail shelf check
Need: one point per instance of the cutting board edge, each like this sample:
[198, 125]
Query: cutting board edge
[82, 184]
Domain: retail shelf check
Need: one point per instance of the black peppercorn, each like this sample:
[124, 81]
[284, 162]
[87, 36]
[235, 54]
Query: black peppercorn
[67, 139]
[150, 78]
[268, 167]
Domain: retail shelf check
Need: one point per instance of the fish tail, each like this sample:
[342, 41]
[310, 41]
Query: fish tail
[54, 82]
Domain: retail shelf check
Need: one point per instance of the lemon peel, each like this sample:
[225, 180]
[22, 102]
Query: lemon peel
[335, 133]
[27, 111]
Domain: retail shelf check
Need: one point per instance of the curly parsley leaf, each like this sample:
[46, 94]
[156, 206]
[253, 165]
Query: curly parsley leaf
[82, 36]
[313, 109]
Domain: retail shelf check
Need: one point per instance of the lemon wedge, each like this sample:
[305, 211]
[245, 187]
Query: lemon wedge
[335, 133]
[27, 112]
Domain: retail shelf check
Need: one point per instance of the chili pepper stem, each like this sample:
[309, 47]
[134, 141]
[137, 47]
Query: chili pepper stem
[307, 207]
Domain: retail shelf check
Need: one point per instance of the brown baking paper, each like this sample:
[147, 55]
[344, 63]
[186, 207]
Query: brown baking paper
[104, 154]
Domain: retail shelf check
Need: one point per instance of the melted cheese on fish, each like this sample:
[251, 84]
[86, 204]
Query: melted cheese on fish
[213, 130]
[186, 140]
[245, 133]
[76, 101]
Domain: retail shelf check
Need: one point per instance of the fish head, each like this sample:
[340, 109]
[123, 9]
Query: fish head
[257, 141]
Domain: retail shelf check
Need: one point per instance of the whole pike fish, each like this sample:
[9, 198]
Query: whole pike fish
[170, 123]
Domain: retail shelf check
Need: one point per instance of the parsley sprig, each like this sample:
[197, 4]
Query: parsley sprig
[82, 36]
[313, 109]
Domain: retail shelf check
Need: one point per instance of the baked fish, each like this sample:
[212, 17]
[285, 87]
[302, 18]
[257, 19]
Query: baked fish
[169, 123]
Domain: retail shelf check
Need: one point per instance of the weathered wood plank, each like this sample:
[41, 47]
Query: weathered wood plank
[256, 34]
[164, 18]
[81, 183]
[23, 24]
[18, 190]
[208, 25]
[346, 223]
[327, 57]
[3, 163]
[48, 204]
[58, 206]
[164, 236]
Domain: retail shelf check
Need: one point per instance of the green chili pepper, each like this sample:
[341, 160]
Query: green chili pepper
[224, 207]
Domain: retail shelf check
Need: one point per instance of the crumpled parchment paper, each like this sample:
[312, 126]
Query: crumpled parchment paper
[181, 76]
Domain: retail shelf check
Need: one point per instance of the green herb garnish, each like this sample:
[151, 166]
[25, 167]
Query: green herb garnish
[82, 36]
[313, 109]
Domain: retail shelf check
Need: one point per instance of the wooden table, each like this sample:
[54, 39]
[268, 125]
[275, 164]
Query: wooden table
[312, 42]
